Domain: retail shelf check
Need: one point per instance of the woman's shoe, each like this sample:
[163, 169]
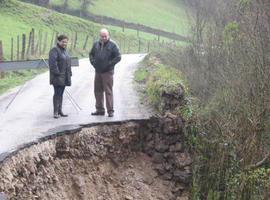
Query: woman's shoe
[62, 114]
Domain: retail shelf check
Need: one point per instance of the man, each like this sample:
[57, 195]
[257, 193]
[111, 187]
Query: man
[104, 55]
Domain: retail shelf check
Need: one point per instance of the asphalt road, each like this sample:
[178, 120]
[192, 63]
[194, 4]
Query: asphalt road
[30, 115]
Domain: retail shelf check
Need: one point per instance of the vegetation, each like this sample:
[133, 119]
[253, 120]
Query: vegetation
[13, 79]
[162, 14]
[227, 69]
[163, 87]
[22, 17]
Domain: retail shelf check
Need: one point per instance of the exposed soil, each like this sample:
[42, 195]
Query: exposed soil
[134, 160]
[133, 179]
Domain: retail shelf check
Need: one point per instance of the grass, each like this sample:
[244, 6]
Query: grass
[22, 17]
[156, 79]
[169, 15]
[13, 79]
[142, 74]
[19, 18]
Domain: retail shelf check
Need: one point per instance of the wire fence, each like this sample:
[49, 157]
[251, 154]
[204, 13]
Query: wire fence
[37, 43]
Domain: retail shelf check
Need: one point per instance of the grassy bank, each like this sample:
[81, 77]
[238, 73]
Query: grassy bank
[164, 87]
[19, 18]
[22, 17]
[169, 15]
[13, 79]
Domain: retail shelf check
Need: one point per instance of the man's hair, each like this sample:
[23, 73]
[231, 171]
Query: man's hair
[104, 30]
[62, 37]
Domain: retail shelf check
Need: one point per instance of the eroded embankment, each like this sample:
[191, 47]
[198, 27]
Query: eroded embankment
[138, 159]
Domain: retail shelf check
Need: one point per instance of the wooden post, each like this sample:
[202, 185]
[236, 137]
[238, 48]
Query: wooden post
[123, 27]
[120, 43]
[85, 43]
[94, 39]
[37, 45]
[33, 42]
[128, 46]
[139, 45]
[52, 40]
[2, 74]
[75, 40]
[71, 42]
[40, 42]
[124, 48]
[29, 44]
[23, 46]
[138, 32]
[11, 49]
[45, 43]
[18, 47]
[55, 39]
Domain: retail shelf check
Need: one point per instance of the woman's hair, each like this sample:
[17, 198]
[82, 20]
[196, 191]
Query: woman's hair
[62, 37]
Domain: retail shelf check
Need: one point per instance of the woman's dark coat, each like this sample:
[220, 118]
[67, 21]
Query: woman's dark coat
[60, 67]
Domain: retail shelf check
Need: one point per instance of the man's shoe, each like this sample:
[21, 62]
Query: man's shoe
[98, 113]
[56, 116]
[110, 115]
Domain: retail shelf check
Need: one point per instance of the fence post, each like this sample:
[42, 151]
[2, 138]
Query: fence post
[124, 48]
[45, 43]
[71, 42]
[75, 40]
[123, 27]
[139, 45]
[128, 50]
[11, 50]
[102, 21]
[33, 42]
[55, 39]
[94, 39]
[120, 42]
[52, 39]
[18, 47]
[38, 43]
[23, 46]
[85, 43]
[2, 74]
[29, 44]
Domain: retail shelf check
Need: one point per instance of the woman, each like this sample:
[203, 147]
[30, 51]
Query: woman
[60, 73]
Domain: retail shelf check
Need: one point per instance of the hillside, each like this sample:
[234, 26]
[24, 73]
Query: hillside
[19, 18]
[168, 15]
[22, 17]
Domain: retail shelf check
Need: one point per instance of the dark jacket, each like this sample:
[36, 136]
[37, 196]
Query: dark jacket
[104, 58]
[60, 67]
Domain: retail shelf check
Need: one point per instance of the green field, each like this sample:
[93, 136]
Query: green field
[18, 18]
[168, 15]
